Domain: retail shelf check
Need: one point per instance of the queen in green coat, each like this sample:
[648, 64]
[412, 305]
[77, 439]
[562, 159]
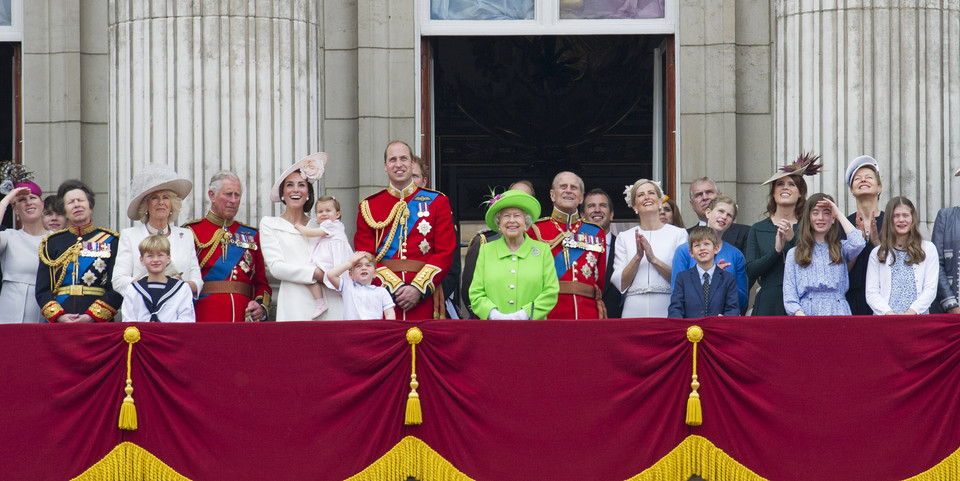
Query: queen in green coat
[515, 277]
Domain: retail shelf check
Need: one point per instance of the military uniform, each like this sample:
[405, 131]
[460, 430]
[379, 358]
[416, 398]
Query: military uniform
[578, 248]
[483, 236]
[76, 266]
[411, 234]
[232, 268]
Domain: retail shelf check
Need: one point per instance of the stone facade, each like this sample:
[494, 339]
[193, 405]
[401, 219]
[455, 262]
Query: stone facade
[110, 85]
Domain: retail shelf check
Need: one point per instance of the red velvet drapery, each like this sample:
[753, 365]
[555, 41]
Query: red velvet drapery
[789, 398]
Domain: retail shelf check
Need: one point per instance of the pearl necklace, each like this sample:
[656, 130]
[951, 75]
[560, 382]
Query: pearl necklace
[164, 232]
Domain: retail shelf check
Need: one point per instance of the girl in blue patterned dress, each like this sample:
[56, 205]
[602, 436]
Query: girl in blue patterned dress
[902, 271]
[815, 278]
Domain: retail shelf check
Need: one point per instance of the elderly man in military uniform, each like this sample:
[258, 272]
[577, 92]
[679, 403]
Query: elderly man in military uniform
[235, 286]
[579, 249]
[73, 280]
[410, 231]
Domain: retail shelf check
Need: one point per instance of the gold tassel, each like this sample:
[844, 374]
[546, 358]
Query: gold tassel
[694, 412]
[128, 412]
[413, 415]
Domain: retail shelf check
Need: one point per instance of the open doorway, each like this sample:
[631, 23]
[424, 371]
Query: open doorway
[506, 108]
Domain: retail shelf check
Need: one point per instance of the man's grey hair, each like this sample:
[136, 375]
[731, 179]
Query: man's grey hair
[217, 180]
[553, 185]
[702, 180]
[527, 220]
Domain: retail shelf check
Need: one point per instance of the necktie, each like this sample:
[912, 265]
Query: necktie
[706, 288]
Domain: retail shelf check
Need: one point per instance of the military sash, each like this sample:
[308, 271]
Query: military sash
[419, 208]
[92, 250]
[240, 241]
[574, 246]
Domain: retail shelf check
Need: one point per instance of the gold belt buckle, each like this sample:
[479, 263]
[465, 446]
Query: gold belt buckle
[76, 290]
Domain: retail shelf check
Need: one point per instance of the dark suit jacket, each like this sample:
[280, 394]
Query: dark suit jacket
[611, 296]
[735, 235]
[687, 298]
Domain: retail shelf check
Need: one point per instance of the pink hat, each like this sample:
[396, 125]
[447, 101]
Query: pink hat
[34, 188]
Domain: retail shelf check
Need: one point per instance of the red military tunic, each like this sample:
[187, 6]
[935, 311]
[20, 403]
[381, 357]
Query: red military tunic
[411, 235]
[231, 264]
[578, 249]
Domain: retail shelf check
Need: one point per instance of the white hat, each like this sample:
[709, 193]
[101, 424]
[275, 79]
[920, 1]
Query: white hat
[311, 169]
[862, 161]
[153, 178]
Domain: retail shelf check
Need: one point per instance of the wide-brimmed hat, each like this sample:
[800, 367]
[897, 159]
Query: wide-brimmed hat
[806, 164]
[862, 161]
[511, 198]
[153, 178]
[311, 169]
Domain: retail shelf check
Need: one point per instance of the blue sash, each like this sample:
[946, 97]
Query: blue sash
[221, 269]
[575, 253]
[422, 197]
[84, 266]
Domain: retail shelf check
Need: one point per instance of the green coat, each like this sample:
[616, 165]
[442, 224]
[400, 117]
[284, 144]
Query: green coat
[510, 281]
[765, 263]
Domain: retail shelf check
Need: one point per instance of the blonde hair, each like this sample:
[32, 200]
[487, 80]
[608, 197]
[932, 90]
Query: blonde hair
[329, 198]
[154, 243]
[175, 204]
[637, 184]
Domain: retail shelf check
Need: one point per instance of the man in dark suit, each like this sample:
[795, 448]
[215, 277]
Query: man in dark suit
[704, 290]
[598, 208]
[704, 190]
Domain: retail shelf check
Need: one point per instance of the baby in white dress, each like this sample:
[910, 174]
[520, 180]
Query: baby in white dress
[332, 247]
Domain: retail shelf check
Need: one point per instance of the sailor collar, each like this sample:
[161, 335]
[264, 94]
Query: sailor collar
[402, 194]
[82, 230]
[218, 221]
[565, 218]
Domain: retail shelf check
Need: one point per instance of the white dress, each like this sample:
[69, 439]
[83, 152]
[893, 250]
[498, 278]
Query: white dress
[333, 249]
[20, 259]
[649, 294]
[286, 253]
[183, 257]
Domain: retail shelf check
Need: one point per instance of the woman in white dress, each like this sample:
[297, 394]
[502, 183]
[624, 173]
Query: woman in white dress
[157, 197]
[18, 255]
[641, 268]
[286, 251]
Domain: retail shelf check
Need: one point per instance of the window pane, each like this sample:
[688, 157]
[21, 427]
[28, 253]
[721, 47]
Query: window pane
[5, 13]
[611, 9]
[481, 9]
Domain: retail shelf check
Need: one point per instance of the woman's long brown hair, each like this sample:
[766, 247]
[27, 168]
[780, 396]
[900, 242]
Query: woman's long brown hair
[888, 234]
[805, 242]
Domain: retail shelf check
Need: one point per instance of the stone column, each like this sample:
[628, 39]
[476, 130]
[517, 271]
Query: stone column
[205, 85]
[878, 78]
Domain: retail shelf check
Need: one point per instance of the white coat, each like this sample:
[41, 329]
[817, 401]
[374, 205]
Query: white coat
[879, 280]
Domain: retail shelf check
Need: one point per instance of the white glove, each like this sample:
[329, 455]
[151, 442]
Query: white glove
[521, 315]
[496, 315]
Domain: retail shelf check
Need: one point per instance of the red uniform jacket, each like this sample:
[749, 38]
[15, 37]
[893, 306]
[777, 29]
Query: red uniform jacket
[578, 250]
[411, 235]
[232, 267]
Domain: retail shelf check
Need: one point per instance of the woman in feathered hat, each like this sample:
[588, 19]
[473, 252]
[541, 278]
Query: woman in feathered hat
[515, 277]
[156, 197]
[18, 248]
[770, 239]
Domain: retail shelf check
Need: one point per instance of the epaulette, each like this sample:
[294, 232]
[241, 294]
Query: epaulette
[191, 222]
[485, 231]
[591, 223]
[108, 231]
[542, 219]
[434, 191]
[247, 226]
[55, 233]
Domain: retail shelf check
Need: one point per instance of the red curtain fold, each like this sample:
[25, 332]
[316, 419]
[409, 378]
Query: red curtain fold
[789, 398]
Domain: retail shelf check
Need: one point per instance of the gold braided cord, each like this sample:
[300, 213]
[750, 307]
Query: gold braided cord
[399, 213]
[697, 455]
[70, 255]
[128, 461]
[217, 237]
[946, 470]
[410, 457]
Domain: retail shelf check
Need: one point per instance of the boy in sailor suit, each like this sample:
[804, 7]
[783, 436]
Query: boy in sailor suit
[156, 297]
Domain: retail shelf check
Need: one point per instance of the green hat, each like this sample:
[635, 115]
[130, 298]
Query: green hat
[512, 198]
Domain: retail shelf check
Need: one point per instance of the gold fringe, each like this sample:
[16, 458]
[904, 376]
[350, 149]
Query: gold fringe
[694, 411]
[946, 470]
[697, 455]
[128, 461]
[128, 411]
[410, 457]
[413, 415]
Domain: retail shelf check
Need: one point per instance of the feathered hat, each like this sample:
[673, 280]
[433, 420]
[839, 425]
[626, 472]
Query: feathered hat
[806, 164]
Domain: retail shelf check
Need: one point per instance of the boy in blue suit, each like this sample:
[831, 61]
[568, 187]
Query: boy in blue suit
[704, 290]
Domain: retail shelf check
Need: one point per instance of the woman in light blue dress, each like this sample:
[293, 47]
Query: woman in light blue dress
[815, 278]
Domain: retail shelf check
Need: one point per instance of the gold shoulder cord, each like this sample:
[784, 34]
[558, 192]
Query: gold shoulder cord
[217, 237]
[70, 255]
[397, 215]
